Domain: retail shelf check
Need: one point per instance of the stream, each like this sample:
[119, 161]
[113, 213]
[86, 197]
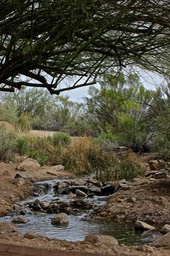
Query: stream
[79, 226]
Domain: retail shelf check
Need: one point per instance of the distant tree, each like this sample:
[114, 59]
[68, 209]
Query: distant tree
[44, 42]
[159, 116]
[42, 111]
[120, 107]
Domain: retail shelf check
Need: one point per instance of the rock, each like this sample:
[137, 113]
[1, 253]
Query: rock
[165, 229]
[60, 219]
[74, 188]
[45, 205]
[19, 219]
[162, 174]
[156, 164]
[6, 227]
[143, 225]
[53, 172]
[80, 193]
[19, 181]
[95, 190]
[30, 235]
[79, 182]
[62, 188]
[108, 189]
[36, 205]
[57, 168]
[24, 175]
[101, 239]
[163, 241]
[29, 165]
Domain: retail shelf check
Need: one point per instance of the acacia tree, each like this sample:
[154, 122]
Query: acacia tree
[44, 42]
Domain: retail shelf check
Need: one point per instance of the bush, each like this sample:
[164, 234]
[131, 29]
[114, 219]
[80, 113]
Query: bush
[60, 139]
[22, 146]
[75, 157]
[109, 166]
[7, 144]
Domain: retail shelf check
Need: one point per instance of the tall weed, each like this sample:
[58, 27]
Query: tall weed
[7, 144]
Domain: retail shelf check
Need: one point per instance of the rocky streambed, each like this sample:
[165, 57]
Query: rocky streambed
[64, 209]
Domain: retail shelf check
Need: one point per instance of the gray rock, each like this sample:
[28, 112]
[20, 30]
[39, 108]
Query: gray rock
[143, 225]
[24, 175]
[29, 165]
[80, 193]
[58, 167]
[60, 219]
[95, 189]
[62, 188]
[163, 241]
[165, 229]
[19, 219]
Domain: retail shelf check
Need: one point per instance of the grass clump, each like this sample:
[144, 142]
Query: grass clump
[7, 144]
[60, 139]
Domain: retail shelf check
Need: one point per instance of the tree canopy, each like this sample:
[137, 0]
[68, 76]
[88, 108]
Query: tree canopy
[42, 43]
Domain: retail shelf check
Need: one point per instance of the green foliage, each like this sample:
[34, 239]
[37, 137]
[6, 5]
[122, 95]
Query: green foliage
[40, 156]
[60, 139]
[22, 146]
[109, 166]
[120, 107]
[7, 144]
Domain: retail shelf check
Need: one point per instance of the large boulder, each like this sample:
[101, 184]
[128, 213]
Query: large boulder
[60, 219]
[29, 164]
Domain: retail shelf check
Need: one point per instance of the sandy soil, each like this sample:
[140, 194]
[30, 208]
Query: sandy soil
[16, 244]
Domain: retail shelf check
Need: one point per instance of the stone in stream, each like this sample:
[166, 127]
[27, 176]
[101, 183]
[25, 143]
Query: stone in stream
[62, 188]
[143, 225]
[60, 219]
[165, 229]
[19, 219]
[80, 193]
[163, 241]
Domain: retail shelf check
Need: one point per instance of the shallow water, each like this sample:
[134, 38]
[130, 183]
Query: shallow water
[78, 228]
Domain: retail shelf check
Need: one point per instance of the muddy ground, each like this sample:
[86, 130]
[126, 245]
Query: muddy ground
[146, 199]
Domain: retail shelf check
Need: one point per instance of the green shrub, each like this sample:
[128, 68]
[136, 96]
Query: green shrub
[60, 139]
[7, 144]
[22, 146]
[109, 166]
[40, 156]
